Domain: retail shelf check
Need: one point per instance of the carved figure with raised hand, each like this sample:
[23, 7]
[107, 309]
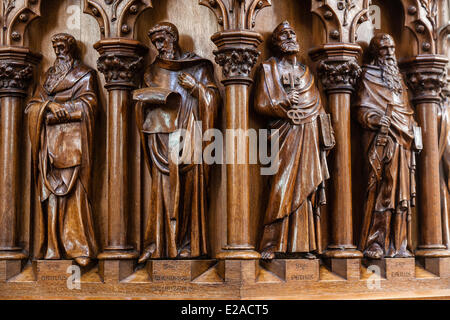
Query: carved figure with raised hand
[286, 93]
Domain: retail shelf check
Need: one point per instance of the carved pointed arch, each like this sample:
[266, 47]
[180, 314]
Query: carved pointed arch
[420, 20]
[115, 19]
[341, 19]
[16, 17]
[236, 14]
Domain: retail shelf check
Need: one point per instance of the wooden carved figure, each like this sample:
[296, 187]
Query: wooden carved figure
[287, 94]
[177, 225]
[61, 125]
[390, 140]
[444, 155]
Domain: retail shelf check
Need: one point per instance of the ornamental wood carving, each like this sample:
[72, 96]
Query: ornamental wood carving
[141, 226]
[177, 227]
[16, 16]
[61, 124]
[391, 139]
[236, 14]
[421, 18]
[114, 24]
[341, 19]
[292, 218]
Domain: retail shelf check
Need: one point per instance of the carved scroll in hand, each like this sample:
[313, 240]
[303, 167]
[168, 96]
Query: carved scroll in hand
[163, 107]
[62, 162]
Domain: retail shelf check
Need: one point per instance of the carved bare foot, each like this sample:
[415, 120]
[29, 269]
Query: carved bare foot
[403, 254]
[82, 261]
[310, 256]
[268, 253]
[185, 253]
[374, 252]
[147, 253]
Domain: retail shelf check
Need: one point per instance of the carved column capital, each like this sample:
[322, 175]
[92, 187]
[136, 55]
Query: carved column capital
[16, 70]
[425, 75]
[237, 44]
[121, 62]
[338, 67]
[237, 54]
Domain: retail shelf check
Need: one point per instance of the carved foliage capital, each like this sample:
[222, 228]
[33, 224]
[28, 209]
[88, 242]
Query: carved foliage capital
[237, 63]
[15, 76]
[120, 70]
[426, 84]
[425, 75]
[339, 75]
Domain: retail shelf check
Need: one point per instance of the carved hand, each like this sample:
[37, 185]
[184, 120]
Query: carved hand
[378, 121]
[187, 81]
[58, 111]
[294, 97]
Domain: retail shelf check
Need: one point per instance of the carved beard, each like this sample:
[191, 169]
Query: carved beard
[167, 55]
[58, 72]
[289, 47]
[390, 73]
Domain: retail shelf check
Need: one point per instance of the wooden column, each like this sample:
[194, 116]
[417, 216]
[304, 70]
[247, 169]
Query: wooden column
[17, 64]
[426, 76]
[338, 70]
[121, 61]
[237, 55]
[16, 72]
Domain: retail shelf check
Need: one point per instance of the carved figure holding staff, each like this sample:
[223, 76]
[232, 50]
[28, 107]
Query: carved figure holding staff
[390, 141]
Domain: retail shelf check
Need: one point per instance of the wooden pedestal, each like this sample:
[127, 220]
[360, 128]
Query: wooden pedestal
[394, 268]
[349, 269]
[9, 269]
[112, 271]
[294, 270]
[177, 270]
[438, 266]
[52, 271]
[238, 271]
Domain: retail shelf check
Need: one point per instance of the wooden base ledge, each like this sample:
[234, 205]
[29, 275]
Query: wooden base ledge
[228, 279]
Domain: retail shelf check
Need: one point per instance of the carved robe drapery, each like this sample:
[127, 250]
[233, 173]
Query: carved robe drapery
[178, 192]
[391, 195]
[297, 188]
[62, 164]
[444, 155]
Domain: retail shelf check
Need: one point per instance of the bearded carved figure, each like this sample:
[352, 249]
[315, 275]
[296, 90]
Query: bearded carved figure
[177, 225]
[390, 140]
[286, 93]
[61, 126]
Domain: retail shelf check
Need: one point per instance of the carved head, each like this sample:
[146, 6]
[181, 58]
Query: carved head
[164, 37]
[64, 45]
[382, 49]
[382, 46]
[284, 39]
